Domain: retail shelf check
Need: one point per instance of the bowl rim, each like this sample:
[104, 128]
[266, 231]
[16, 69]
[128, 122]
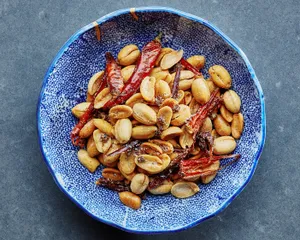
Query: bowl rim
[190, 17]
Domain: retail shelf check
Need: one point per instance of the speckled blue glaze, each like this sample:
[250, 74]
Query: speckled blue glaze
[65, 85]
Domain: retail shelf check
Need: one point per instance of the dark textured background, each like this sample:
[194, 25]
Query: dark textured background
[32, 206]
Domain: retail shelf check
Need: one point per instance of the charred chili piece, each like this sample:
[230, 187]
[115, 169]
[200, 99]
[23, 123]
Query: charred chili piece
[76, 140]
[143, 68]
[176, 81]
[114, 77]
[118, 186]
[190, 67]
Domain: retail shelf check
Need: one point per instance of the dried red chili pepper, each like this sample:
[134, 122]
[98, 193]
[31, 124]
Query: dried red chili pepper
[195, 167]
[176, 81]
[76, 140]
[195, 122]
[115, 80]
[190, 67]
[143, 68]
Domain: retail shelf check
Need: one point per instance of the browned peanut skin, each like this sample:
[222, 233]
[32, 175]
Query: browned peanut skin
[130, 200]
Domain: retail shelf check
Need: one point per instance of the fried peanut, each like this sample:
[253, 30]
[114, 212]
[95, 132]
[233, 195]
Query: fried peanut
[224, 145]
[170, 59]
[144, 114]
[222, 126]
[139, 183]
[102, 98]
[93, 83]
[102, 141]
[220, 76]
[237, 125]
[104, 126]
[110, 159]
[127, 71]
[148, 89]
[162, 89]
[127, 163]
[184, 189]
[143, 132]
[120, 111]
[87, 129]
[164, 117]
[163, 52]
[164, 145]
[80, 109]
[170, 133]
[181, 116]
[152, 164]
[200, 91]
[151, 148]
[207, 125]
[214, 168]
[112, 174]
[186, 139]
[135, 98]
[232, 101]
[226, 114]
[128, 54]
[90, 163]
[91, 147]
[164, 188]
[123, 129]
[197, 61]
[130, 200]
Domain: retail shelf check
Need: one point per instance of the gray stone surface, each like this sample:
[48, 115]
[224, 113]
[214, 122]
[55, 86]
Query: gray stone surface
[31, 33]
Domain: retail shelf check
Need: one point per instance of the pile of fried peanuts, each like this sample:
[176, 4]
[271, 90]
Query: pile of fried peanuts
[158, 120]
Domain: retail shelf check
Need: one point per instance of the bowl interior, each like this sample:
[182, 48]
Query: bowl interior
[66, 84]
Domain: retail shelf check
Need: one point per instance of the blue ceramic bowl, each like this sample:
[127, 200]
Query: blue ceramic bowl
[65, 85]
